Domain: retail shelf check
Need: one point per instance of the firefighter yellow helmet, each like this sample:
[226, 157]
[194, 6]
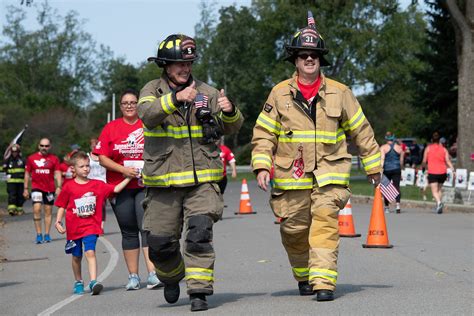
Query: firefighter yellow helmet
[307, 38]
[176, 47]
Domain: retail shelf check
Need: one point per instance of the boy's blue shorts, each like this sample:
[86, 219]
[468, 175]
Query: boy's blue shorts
[74, 247]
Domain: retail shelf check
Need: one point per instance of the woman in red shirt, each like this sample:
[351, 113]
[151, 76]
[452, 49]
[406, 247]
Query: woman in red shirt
[437, 158]
[120, 150]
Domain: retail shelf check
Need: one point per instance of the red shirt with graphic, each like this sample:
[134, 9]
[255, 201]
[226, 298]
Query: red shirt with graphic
[123, 143]
[83, 204]
[226, 156]
[41, 169]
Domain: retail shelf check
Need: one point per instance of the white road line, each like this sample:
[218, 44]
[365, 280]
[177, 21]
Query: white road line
[110, 267]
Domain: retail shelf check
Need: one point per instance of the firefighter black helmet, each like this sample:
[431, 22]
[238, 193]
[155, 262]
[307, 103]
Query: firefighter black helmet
[176, 47]
[307, 38]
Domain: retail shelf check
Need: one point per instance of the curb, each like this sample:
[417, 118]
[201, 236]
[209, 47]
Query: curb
[459, 208]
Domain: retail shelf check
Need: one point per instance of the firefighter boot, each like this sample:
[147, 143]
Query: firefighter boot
[305, 288]
[324, 295]
[198, 302]
[171, 292]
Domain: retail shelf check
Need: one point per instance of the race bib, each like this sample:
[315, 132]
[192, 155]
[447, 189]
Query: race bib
[37, 196]
[137, 164]
[85, 206]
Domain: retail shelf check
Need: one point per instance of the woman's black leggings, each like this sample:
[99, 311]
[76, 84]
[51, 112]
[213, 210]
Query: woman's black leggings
[129, 213]
[395, 176]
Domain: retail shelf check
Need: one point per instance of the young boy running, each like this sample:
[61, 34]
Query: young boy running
[82, 200]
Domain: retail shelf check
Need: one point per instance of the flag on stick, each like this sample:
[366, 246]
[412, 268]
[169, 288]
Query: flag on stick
[311, 19]
[389, 191]
[16, 140]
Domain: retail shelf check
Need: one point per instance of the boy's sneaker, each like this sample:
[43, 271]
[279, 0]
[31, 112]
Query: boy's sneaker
[78, 287]
[133, 282]
[47, 238]
[387, 210]
[95, 287]
[39, 238]
[153, 282]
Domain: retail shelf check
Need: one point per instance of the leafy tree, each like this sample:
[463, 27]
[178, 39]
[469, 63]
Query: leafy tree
[53, 67]
[437, 83]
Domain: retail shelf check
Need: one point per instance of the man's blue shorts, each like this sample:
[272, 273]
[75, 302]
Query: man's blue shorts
[88, 241]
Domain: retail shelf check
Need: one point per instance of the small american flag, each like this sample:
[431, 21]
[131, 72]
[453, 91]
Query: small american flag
[389, 191]
[200, 100]
[310, 18]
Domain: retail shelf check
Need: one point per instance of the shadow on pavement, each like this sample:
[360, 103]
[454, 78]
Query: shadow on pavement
[5, 284]
[342, 289]
[215, 300]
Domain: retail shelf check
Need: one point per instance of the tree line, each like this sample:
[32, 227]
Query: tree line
[401, 63]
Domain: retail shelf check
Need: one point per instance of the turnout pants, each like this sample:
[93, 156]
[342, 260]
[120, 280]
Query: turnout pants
[15, 196]
[167, 212]
[310, 232]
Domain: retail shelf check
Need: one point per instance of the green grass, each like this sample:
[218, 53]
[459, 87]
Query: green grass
[362, 187]
[3, 192]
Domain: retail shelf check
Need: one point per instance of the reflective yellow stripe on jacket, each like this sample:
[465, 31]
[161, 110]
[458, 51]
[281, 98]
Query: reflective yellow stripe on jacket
[333, 178]
[372, 161]
[294, 184]
[182, 178]
[15, 170]
[176, 132]
[166, 102]
[312, 136]
[199, 274]
[324, 274]
[263, 159]
[355, 121]
[267, 123]
[229, 119]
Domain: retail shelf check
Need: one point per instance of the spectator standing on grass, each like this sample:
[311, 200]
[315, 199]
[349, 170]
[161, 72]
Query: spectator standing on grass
[392, 162]
[436, 158]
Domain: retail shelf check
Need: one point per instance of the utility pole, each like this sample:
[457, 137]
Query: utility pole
[113, 106]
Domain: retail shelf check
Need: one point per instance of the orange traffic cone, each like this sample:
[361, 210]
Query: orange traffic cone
[346, 224]
[377, 236]
[245, 205]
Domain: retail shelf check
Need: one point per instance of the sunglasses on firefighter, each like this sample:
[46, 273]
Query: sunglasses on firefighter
[45, 146]
[305, 56]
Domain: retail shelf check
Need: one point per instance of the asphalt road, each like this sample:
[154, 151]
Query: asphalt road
[429, 271]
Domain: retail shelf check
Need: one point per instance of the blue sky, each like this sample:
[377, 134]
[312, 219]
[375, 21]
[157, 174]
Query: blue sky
[132, 29]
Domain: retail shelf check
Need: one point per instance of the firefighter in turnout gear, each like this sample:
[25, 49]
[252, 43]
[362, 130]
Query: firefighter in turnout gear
[14, 167]
[303, 125]
[183, 117]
